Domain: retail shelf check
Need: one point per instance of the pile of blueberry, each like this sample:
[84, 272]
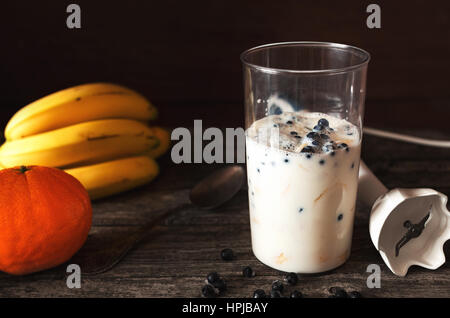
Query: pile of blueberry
[215, 285]
[277, 288]
[338, 292]
[319, 140]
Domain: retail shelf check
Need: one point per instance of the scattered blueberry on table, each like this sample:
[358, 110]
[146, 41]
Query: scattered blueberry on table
[338, 292]
[291, 279]
[227, 254]
[259, 293]
[296, 294]
[215, 285]
[220, 285]
[248, 272]
[354, 294]
[208, 291]
[275, 294]
[277, 286]
[212, 277]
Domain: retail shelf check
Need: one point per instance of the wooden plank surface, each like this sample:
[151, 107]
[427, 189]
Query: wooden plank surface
[175, 258]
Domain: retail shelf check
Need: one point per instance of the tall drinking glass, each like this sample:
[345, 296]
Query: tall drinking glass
[304, 104]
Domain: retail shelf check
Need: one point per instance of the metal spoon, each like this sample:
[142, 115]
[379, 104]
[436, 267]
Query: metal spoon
[209, 193]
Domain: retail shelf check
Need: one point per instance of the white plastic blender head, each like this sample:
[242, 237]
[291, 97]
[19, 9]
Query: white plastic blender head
[407, 226]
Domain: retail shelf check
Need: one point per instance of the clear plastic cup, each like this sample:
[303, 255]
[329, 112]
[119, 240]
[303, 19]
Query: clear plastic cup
[304, 105]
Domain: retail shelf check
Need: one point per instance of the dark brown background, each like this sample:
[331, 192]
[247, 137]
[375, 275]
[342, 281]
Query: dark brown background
[184, 55]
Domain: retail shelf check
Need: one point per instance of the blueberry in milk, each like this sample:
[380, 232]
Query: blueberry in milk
[323, 122]
[307, 149]
[298, 204]
[312, 135]
[318, 128]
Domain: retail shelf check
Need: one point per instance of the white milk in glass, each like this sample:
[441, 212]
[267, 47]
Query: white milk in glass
[302, 172]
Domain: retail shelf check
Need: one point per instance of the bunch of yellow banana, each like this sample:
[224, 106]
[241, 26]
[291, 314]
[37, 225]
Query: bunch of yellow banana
[95, 132]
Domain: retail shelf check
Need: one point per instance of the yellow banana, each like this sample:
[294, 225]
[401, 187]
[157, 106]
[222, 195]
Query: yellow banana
[85, 143]
[76, 105]
[108, 178]
[164, 142]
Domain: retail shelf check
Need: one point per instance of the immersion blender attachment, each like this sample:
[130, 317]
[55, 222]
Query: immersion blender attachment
[407, 226]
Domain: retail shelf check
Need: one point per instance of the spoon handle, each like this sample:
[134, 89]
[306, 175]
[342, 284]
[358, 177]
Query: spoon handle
[115, 250]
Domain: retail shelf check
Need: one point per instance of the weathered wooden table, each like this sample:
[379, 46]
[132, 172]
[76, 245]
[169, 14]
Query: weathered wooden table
[175, 258]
